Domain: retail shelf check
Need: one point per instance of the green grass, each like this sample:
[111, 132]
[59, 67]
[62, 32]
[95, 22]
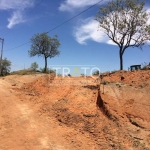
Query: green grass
[23, 72]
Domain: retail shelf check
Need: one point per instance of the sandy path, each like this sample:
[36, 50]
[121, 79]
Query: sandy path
[22, 127]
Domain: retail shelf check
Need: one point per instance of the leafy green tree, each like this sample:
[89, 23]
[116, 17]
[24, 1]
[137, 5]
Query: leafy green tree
[5, 67]
[34, 66]
[125, 24]
[43, 45]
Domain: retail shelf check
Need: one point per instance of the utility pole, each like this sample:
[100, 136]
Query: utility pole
[1, 56]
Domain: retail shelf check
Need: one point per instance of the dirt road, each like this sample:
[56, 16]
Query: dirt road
[24, 127]
[38, 115]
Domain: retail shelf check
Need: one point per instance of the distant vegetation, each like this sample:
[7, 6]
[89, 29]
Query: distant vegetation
[145, 66]
[34, 66]
[33, 70]
[42, 70]
[97, 72]
[24, 72]
[5, 67]
[82, 74]
[30, 71]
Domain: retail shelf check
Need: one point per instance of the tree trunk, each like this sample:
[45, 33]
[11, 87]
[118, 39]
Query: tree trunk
[45, 64]
[121, 59]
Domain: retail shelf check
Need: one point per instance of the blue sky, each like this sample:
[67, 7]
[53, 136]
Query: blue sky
[81, 42]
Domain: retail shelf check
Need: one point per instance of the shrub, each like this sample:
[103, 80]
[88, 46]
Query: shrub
[34, 66]
[5, 67]
[47, 70]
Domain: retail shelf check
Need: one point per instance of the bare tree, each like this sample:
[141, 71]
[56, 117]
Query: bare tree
[43, 45]
[125, 23]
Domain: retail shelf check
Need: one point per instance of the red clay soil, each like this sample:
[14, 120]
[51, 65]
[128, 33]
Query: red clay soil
[41, 112]
[140, 78]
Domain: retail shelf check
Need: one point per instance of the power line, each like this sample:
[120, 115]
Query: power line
[61, 23]
[74, 17]
[35, 7]
[18, 46]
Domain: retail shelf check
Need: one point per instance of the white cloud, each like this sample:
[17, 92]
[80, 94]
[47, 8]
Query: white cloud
[88, 30]
[69, 5]
[17, 8]
[16, 18]
[14, 4]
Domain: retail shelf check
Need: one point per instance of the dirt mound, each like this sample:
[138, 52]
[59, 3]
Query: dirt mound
[39, 86]
[75, 113]
[73, 103]
[140, 78]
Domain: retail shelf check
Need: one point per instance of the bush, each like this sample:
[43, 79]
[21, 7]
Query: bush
[69, 75]
[114, 71]
[145, 66]
[23, 72]
[59, 75]
[47, 70]
[97, 72]
[5, 67]
[34, 66]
